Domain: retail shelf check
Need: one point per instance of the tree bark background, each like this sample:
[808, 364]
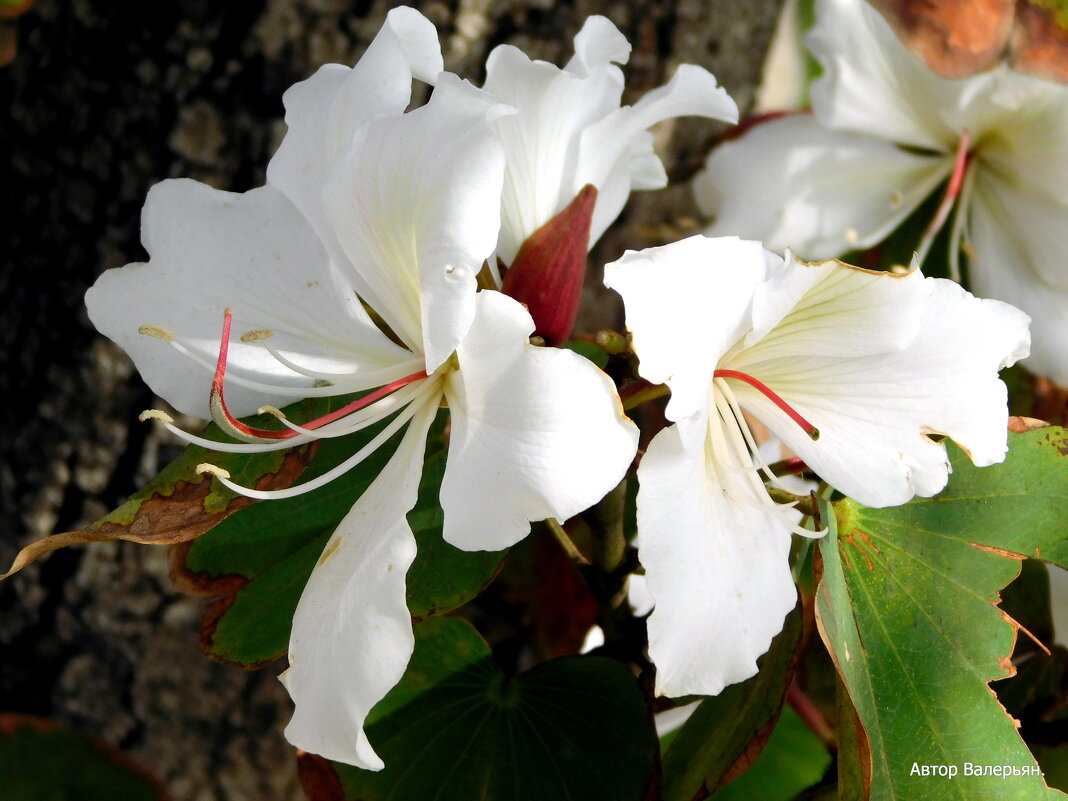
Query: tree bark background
[102, 101]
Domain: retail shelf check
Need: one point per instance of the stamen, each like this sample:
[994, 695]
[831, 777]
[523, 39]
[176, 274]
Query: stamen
[157, 331]
[257, 335]
[155, 414]
[212, 469]
[766, 391]
[754, 449]
[401, 419]
[956, 179]
[231, 425]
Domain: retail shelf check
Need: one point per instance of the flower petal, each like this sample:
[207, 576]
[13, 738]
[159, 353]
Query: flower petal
[415, 201]
[792, 183]
[687, 303]
[352, 632]
[1005, 248]
[875, 411]
[872, 84]
[598, 43]
[254, 252]
[323, 112]
[616, 154]
[716, 563]
[541, 140]
[536, 432]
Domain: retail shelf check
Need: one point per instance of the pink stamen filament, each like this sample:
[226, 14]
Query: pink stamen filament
[956, 181]
[218, 399]
[771, 395]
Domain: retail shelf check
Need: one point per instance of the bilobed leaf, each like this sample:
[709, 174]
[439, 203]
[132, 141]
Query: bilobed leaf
[457, 729]
[907, 605]
[40, 761]
[726, 734]
[261, 558]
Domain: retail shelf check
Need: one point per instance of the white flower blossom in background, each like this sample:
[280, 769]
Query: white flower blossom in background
[569, 130]
[884, 134]
[365, 201]
[853, 370]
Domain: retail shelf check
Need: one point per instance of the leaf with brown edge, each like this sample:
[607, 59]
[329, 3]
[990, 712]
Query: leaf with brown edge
[178, 505]
[725, 734]
[908, 608]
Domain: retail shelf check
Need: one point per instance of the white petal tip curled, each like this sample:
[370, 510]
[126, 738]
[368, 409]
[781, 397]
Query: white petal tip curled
[157, 331]
[215, 470]
[155, 414]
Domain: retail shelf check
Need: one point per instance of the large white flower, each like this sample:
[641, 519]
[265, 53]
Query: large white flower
[399, 210]
[855, 371]
[884, 134]
[570, 130]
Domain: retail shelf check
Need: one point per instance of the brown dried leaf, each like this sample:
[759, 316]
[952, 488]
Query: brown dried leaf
[166, 519]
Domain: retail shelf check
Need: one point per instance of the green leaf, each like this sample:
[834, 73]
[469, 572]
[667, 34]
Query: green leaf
[457, 729]
[731, 728]
[591, 350]
[793, 760]
[41, 762]
[272, 548]
[907, 607]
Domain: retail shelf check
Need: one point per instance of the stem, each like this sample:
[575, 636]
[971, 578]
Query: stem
[811, 716]
[566, 542]
[609, 542]
[805, 504]
[643, 393]
[956, 179]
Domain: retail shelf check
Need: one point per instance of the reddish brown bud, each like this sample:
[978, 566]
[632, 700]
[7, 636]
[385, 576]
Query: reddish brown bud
[549, 269]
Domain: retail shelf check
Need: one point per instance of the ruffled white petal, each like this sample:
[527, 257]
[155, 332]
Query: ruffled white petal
[536, 432]
[872, 84]
[598, 43]
[616, 154]
[716, 561]
[254, 252]
[875, 410]
[415, 201]
[324, 111]
[687, 303]
[1004, 252]
[541, 140]
[794, 184]
[352, 632]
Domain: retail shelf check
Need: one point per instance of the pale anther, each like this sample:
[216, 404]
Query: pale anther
[155, 414]
[157, 331]
[257, 335]
[215, 470]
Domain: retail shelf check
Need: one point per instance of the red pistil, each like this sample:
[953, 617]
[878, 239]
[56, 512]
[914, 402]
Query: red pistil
[771, 395]
[956, 181]
[228, 421]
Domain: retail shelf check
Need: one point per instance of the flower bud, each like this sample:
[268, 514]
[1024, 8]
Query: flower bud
[549, 269]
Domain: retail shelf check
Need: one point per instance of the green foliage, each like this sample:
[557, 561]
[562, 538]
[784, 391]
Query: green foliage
[275, 545]
[457, 729]
[732, 727]
[53, 764]
[907, 607]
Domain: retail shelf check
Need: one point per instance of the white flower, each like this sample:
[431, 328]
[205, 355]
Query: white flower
[570, 130]
[876, 363]
[398, 209]
[885, 133]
